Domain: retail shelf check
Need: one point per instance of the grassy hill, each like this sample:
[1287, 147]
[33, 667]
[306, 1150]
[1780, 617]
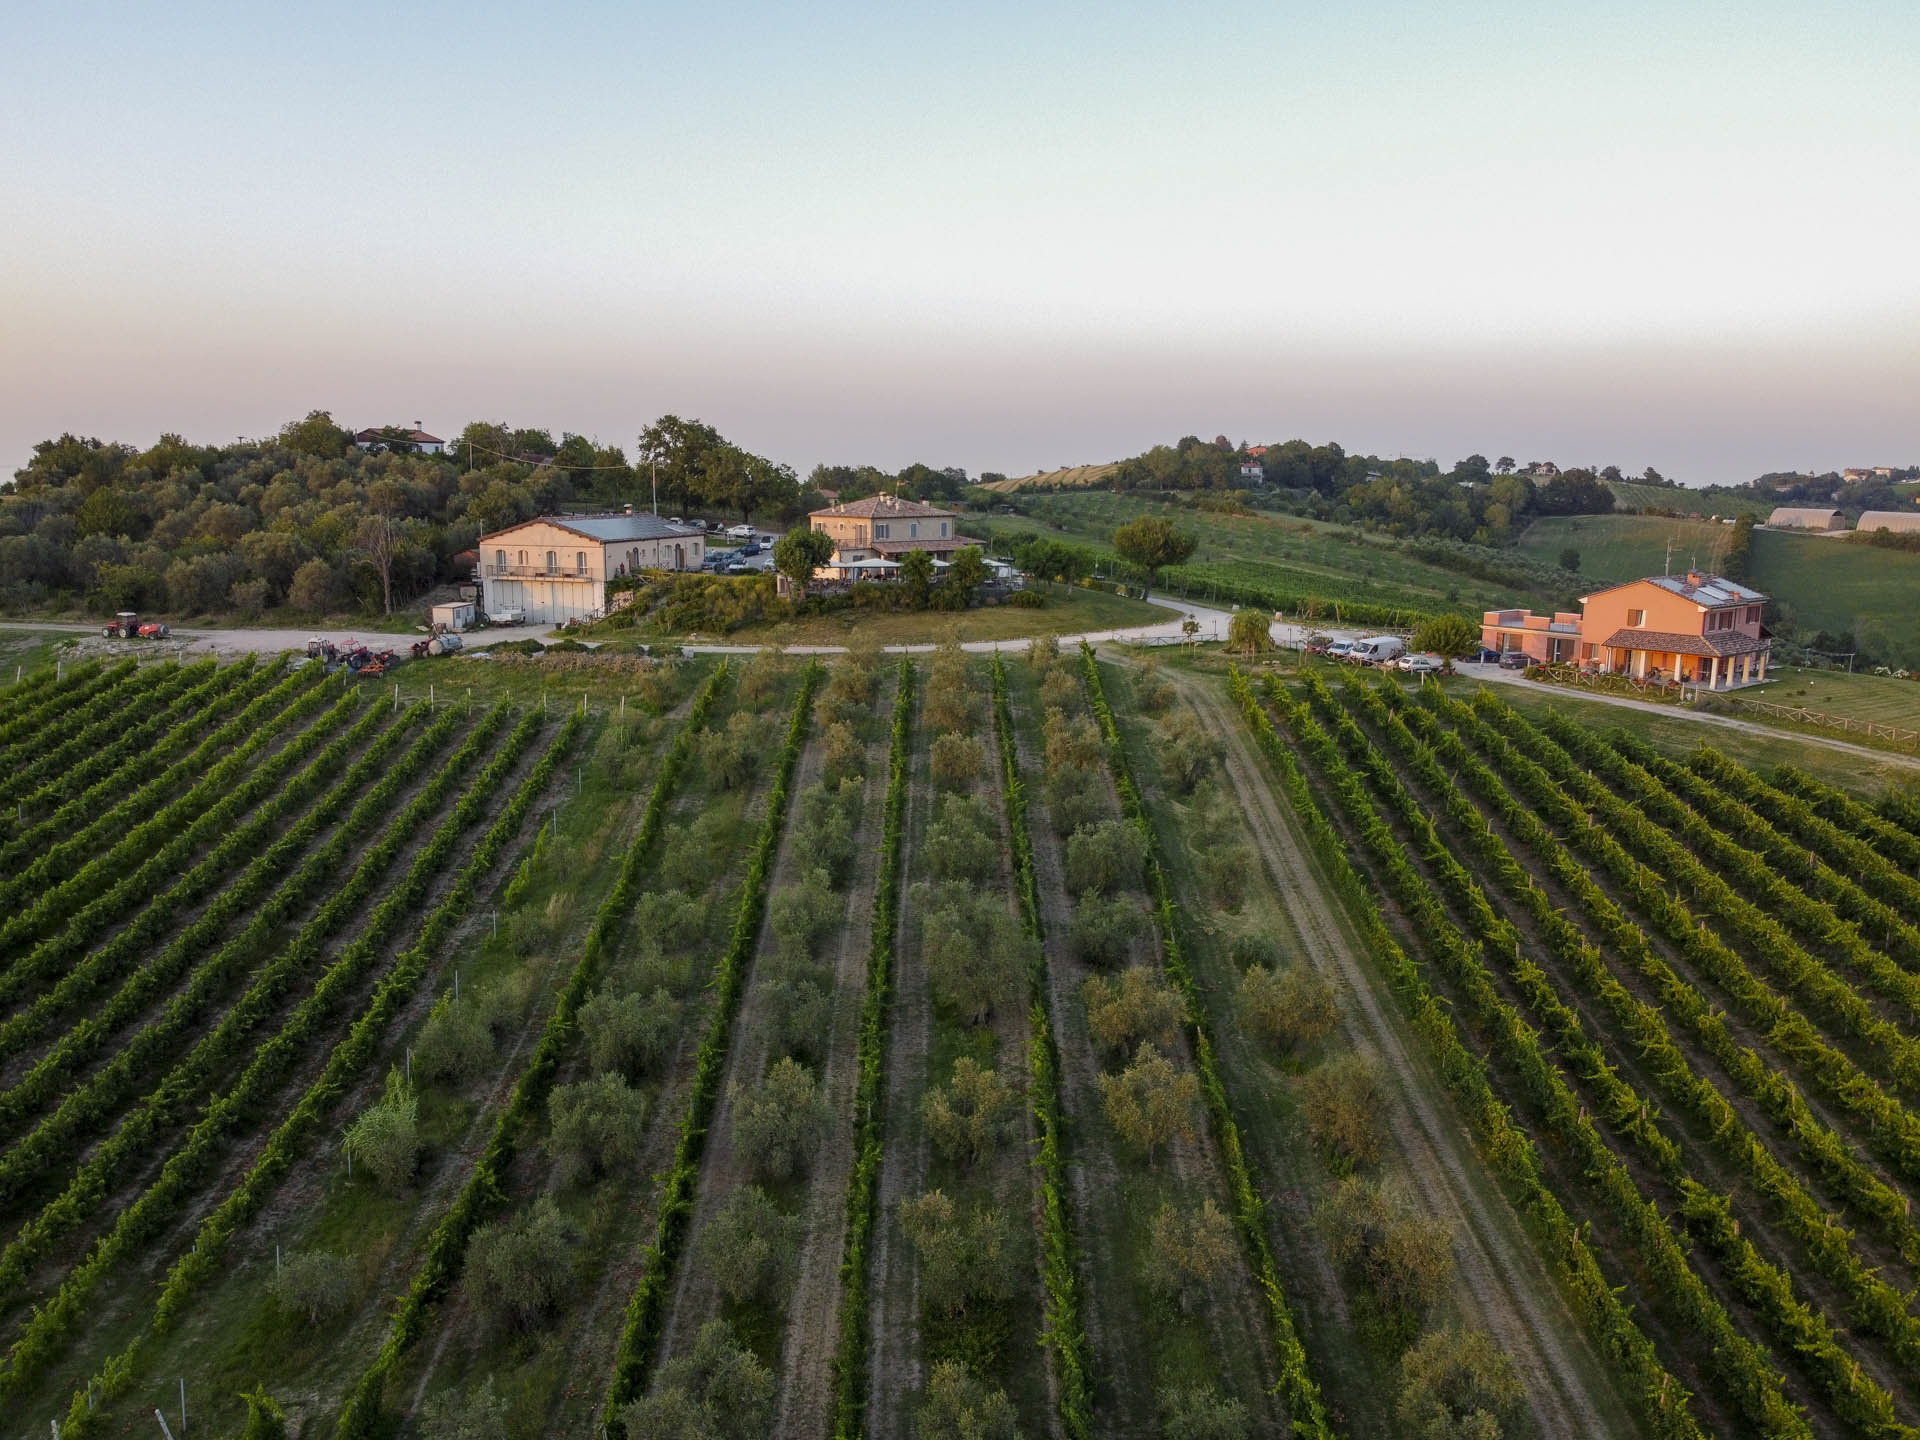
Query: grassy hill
[1632, 496]
[1625, 547]
[1073, 477]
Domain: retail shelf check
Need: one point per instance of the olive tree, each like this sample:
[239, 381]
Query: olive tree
[471, 1412]
[1187, 750]
[1076, 796]
[593, 1126]
[1200, 1413]
[961, 842]
[1132, 1006]
[969, 1116]
[777, 1123]
[1292, 1008]
[519, 1268]
[960, 1406]
[1458, 1385]
[1072, 741]
[629, 1031]
[1343, 1105]
[1105, 856]
[956, 761]
[1104, 926]
[313, 1285]
[718, 1390]
[1403, 1260]
[802, 914]
[1061, 689]
[1187, 1252]
[1150, 1102]
[749, 1246]
[964, 1256]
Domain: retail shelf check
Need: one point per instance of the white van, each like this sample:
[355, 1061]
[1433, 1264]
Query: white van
[1377, 649]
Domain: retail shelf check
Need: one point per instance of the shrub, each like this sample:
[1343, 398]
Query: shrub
[314, 589]
[1150, 1103]
[466, 1414]
[1457, 1385]
[717, 1391]
[594, 1126]
[518, 1269]
[1076, 796]
[629, 1033]
[949, 707]
[1152, 690]
[961, 842]
[761, 674]
[969, 1117]
[1404, 1261]
[801, 914]
[691, 855]
[827, 818]
[1187, 750]
[315, 1286]
[1132, 1006]
[1105, 926]
[1248, 633]
[1343, 1105]
[749, 1246]
[1187, 1252]
[956, 761]
[1105, 856]
[1256, 949]
[385, 1139]
[1448, 635]
[1043, 653]
[248, 597]
[1226, 870]
[1073, 741]
[777, 1123]
[1026, 600]
[1199, 1413]
[802, 1010]
[962, 1257]
[959, 1406]
[1293, 1008]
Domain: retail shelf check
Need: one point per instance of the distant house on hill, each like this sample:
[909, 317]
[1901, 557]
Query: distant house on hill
[389, 435]
[1904, 522]
[1696, 628]
[1799, 517]
[1543, 469]
[869, 536]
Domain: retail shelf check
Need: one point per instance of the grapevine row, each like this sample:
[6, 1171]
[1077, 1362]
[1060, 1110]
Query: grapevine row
[120, 800]
[646, 1307]
[1824, 1150]
[850, 1354]
[90, 1106]
[1705, 1214]
[1702, 816]
[43, 721]
[97, 724]
[135, 942]
[362, 1043]
[1839, 808]
[107, 887]
[1066, 1332]
[1660, 1399]
[1298, 1389]
[1892, 1131]
[1875, 1304]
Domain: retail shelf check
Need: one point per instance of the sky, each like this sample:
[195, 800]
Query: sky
[1003, 236]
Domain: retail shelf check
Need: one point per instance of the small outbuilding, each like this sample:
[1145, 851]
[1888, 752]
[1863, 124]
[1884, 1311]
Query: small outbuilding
[1795, 517]
[457, 615]
[1901, 522]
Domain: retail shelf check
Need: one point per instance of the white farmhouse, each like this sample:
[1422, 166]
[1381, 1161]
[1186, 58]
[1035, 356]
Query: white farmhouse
[556, 567]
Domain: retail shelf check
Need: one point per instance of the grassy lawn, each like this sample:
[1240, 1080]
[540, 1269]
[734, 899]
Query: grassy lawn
[1625, 547]
[1067, 612]
[1861, 697]
[1283, 552]
[22, 652]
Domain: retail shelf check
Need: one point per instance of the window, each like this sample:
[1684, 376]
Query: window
[879, 532]
[943, 529]
[551, 567]
[1636, 618]
[500, 560]
[913, 532]
[580, 562]
[522, 561]
[1753, 613]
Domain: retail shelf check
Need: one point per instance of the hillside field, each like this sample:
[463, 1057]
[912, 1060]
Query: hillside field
[1071, 477]
[1625, 547]
[1628, 495]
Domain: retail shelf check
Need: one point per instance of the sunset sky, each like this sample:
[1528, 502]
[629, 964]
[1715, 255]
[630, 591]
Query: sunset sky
[1007, 237]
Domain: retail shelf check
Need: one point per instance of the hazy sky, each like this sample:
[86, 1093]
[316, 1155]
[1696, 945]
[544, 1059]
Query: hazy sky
[1001, 236]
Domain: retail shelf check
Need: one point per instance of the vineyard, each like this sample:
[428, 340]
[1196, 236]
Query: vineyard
[944, 1045]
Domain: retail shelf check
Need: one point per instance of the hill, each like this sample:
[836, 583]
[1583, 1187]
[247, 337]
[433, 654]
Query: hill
[1631, 495]
[1072, 477]
[1624, 547]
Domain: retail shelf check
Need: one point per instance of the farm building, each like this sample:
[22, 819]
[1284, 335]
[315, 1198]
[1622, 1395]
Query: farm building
[1796, 517]
[882, 527]
[1695, 628]
[1899, 521]
[391, 435]
[556, 567]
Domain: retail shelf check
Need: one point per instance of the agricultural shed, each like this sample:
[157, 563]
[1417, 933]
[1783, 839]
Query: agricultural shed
[457, 615]
[1794, 517]
[1902, 521]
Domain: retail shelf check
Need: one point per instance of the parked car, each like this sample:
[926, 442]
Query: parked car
[1316, 644]
[1514, 660]
[740, 532]
[1487, 657]
[752, 547]
[1337, 649]
[1418, 665]
[737, 568]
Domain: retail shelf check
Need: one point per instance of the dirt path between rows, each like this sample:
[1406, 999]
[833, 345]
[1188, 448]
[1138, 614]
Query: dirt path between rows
[896, 1363]
[1507, 1288]
[813, 1332]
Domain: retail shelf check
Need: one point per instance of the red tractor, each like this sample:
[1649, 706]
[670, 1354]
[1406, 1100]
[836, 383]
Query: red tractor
[126, 626]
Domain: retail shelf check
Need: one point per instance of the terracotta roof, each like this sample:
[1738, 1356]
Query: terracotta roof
[1667, 641]
[1708, 590]
[887, 506]
[418, 437]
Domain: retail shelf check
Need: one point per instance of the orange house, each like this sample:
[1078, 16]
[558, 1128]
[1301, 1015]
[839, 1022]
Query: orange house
[1695, 628]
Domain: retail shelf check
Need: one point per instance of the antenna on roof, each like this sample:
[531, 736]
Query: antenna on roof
[1669, 568]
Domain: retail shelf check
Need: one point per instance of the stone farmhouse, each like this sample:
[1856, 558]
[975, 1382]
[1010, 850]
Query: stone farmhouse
[556, 567]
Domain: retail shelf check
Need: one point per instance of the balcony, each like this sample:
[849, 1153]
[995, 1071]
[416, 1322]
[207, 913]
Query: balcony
[532, 572]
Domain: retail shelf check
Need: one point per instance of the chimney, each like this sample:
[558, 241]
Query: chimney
[1694, 577]
[629, 509]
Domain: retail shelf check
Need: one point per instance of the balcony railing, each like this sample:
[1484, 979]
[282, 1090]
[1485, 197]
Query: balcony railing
[532, 572]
